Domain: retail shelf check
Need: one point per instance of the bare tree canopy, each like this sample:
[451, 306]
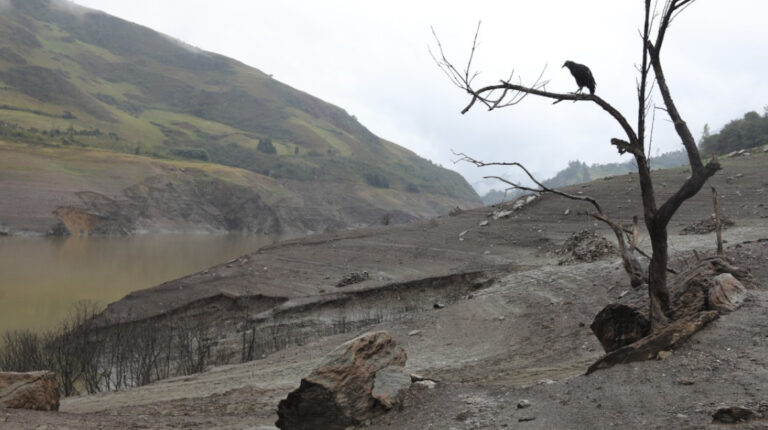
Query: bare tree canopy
[651, 80]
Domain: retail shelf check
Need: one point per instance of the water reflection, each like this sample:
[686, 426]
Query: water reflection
[40, 279]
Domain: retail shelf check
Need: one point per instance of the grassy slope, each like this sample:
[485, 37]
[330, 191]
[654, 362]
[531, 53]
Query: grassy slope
[71, 77]
[36, 179]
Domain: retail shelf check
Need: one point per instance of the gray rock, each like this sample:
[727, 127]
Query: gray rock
[388, 384]
[426, 383]
[502, 214]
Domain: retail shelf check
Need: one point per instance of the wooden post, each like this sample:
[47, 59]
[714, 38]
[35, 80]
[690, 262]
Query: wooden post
[718, 224]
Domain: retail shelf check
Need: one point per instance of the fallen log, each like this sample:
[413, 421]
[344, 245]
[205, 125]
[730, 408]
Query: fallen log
[648, 348]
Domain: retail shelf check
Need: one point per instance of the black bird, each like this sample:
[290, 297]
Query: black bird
[582, 74]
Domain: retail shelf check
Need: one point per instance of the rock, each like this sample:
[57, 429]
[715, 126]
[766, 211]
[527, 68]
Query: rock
[733, 414]
[31, 390]
[707, 225]
[522, 404]
[388, 384]
[727, 294]
[357, 381]
[483, 223]
[438, 306]
[455, 211]
[414, 332]
[525, 419]
[426, 383]
[584, 246]
[524, 201]
[352, 278]
[618, 325]
[502, 214]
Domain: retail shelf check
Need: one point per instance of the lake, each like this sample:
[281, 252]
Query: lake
[41, 278]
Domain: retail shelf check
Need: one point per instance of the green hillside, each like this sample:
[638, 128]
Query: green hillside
[744, 133]
[77, 78]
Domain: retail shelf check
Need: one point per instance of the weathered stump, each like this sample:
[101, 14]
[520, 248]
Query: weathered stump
[618, 325]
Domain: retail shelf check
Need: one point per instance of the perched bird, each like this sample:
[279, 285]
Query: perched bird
[582, 74]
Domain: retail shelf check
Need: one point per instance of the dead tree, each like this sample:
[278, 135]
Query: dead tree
[651, 76]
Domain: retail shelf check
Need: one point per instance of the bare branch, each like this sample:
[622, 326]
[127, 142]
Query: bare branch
[515, 93]
[671, 10]
[467, 79]
[542, 188]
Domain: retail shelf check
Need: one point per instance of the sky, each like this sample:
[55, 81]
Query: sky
[372, 59]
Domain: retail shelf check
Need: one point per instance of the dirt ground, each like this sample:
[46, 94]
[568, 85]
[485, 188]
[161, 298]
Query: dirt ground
[522, 336]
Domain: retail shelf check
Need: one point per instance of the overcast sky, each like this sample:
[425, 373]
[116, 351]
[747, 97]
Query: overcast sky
[371, 58]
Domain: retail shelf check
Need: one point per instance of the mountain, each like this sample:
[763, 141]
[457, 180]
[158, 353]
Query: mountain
[75, 79]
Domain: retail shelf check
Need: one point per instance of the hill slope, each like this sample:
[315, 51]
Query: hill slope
[71, 77]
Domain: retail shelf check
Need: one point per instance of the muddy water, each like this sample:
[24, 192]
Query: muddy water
[40, 279]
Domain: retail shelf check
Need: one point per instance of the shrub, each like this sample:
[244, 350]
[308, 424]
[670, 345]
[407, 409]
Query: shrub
[191, 153]
[266, 146]
[376, 180]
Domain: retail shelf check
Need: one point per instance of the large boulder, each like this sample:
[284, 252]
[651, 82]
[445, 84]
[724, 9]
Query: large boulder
[32, 390]
[359, 380]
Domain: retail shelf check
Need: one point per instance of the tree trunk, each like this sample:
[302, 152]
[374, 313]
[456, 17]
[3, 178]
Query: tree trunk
[657, 278]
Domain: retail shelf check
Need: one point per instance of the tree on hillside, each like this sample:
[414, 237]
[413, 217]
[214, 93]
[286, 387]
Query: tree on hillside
[265, 145]
[635, 142]
[747, 132]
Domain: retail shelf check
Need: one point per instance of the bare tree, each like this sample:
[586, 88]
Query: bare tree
[651, 76]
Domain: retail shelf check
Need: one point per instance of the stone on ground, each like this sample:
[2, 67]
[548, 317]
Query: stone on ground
[359, 380]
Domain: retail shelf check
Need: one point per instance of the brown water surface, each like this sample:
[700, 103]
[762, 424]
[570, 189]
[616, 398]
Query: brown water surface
[41, 278]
